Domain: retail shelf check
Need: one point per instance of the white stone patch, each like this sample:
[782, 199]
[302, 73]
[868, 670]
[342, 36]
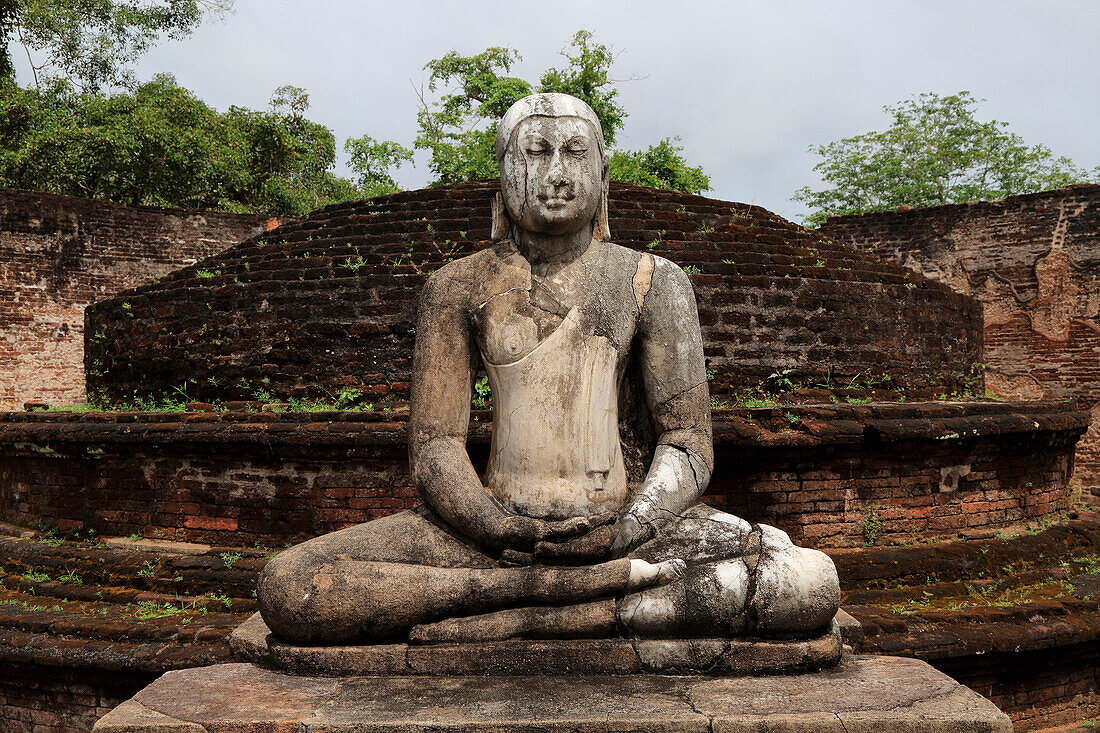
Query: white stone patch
[796, 590]
[647, 611]
[773, 539]
[950, 476]
[733, 578]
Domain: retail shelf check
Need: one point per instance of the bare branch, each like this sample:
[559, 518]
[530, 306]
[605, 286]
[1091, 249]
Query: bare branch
[218, 9]
[30, 61]
[419, 91]
[632, 77]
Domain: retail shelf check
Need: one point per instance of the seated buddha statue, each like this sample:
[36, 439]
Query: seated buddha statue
[555, 541]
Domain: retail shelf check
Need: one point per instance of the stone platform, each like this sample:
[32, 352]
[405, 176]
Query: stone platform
[253, 642]
[862, 694]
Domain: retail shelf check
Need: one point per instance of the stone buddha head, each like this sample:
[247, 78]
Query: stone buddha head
[553, 168]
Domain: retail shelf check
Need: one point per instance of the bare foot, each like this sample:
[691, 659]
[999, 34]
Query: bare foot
[649, 575]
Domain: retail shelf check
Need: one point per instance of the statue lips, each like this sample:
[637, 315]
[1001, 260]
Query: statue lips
[555, 201]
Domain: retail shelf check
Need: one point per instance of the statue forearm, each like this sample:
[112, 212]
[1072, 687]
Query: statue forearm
[677, 478]
[449, 484]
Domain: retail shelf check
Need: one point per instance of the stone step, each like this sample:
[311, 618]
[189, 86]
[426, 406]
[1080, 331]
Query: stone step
[151, 620]
[862, 694]
[45, 563]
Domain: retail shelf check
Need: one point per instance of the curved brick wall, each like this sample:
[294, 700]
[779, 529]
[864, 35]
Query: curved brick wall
[918, 469]
[329, 302]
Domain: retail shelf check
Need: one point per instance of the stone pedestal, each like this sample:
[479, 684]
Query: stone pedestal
[253, 642]
[862, 694]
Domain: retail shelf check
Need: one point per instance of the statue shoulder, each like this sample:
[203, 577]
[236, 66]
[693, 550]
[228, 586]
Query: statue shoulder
[635, 260]
[648, 271]
[662, 287]
[458, 281]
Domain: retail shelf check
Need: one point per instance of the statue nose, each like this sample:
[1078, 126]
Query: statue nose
[556, 176]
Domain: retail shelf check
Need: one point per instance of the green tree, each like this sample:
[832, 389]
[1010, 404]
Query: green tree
[373, 161]
[460, 128]
[661, 166]
[588, 77]
[157, 145]
[9, 13]
[934, 152]
[287, 158]
[460, 150]
[92, 42]
[161, 145]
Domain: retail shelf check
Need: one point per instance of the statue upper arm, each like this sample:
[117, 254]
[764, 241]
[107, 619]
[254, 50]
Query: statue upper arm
[444, 361]
[672, 364]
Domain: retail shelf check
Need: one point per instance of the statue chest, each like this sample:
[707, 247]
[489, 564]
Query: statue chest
[513, 323]
[555, 450]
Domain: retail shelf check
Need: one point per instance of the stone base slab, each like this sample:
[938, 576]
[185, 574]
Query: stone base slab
[253, 642]
[861, 695]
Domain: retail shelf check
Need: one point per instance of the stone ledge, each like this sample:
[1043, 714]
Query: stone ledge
[60, 433]
[861, 695]
[252, 642]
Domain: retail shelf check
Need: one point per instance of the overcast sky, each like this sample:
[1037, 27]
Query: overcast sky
[747, 86]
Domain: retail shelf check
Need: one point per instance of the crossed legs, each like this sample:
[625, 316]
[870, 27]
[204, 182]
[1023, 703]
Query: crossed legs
[406, 576]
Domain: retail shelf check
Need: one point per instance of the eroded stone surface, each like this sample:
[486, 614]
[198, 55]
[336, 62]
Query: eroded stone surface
[253, 642]
[862, 694]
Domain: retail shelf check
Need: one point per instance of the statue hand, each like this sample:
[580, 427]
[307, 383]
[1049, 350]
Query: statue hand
[520, 532]
[626, 534]
[593, 547]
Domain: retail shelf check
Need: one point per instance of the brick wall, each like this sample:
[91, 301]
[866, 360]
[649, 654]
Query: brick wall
[329, 302]
[1034, 263]
[1039, 689]
[61, 699]
[58, 254]
[922, 469]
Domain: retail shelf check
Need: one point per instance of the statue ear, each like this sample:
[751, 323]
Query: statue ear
[601, 230]
[502, 225]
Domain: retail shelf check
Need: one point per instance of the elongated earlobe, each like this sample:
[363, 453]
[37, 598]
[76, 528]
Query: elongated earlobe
[601, 230]
[501, 224]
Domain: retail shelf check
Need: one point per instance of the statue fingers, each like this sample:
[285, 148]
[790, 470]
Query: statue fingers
[575, 526]
[626, 534]
[594, 546]
[515, 558]
[649, 575]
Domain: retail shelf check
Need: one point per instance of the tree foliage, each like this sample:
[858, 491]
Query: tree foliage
[934, 152]
[660, 166]
[93, 42]
[588, 77]
[459, 129]
[461, 151]
[373, 160]
[160, 145]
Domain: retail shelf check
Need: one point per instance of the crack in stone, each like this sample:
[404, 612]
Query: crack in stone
[751, 620]
[685, 695]
[670, 398]
[498, 295]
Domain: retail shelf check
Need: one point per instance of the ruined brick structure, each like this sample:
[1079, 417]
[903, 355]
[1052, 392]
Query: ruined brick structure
[59, 254]
[329, 302]
[1034, 263]
[237, 479]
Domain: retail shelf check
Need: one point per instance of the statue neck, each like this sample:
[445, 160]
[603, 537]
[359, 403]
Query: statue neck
[551, 249]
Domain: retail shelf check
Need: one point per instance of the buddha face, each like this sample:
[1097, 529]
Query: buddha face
[552, 175]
